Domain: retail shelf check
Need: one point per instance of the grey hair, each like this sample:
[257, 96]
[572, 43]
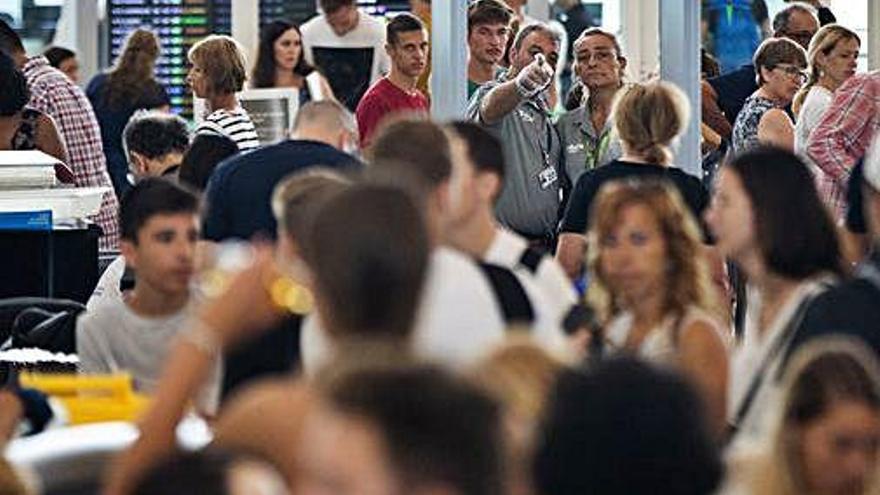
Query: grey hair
[781, 19]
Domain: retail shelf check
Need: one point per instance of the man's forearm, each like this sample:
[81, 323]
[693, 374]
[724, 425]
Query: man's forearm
[500, 101]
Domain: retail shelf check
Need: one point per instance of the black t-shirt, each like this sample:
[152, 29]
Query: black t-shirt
[577, 212]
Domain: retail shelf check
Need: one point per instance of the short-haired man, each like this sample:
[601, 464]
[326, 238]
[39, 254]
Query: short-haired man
[53, 94]
[155, 143]
[488, 31]
[724, 96]
[478, 173]
[399, 435]
[516, 108]
[159, 223]
[347, 44]
[396, 93]
[466, 307]
[239, 206]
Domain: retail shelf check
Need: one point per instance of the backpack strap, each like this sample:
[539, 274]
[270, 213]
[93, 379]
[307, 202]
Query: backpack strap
[531, 258]
[510, 294]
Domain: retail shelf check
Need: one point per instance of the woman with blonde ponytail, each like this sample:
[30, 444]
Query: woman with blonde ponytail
[648, 118]
[832, 57]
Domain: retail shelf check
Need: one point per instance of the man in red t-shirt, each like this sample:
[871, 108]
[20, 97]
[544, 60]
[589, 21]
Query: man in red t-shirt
[396, 93]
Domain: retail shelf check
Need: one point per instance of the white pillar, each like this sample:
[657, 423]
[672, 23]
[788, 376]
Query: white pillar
[680, 64]
[873, 36]
[640, 35]
[448, 60]
[539, 9]
[84, 27]
[246, 26]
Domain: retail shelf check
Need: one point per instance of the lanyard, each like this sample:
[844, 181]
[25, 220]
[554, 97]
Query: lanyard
[593, 154]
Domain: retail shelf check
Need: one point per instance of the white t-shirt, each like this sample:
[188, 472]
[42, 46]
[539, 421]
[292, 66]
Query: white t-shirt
[108, 284]
[507, 249]
[459, 320]
[817, 101]
[111, 338]
[352, 62]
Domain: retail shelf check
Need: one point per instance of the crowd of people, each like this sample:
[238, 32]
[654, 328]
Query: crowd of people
[529, 300]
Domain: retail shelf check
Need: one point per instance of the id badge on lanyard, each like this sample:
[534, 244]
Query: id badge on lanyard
[548, 174]
[596, 153]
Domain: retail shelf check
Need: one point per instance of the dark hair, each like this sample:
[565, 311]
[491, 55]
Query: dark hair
[625, 428]
[794, 230]
[57, 54]
[10, 41]
[150, 197]
[775, 51]
[372, 290]
[488, 12]
[421, 145]
[437, 429]
[708, 64]
[534, 27]
[402, 23]
[203, 471]
[484, 149]
[155, 134]
[15, 93]
[202, 157]
[263, 75]
[783, 17]
[331, 6]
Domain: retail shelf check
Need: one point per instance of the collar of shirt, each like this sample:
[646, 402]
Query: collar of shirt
[35, 63]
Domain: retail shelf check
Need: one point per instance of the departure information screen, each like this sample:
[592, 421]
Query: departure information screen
[178, 24]
[298, 11]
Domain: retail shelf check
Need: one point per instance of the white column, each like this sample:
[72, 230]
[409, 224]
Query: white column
[448, 60]
[539, 9]
[640, 35]
[84, 27]
[873, 37]
[680, 64]
[246, 26]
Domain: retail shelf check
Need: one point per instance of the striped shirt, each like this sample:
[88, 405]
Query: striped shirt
[54, 94]
[840, 139]
[234, 124]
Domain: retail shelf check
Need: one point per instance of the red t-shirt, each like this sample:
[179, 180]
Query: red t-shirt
[384, 99]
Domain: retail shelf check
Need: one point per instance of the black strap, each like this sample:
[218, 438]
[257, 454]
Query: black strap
[531, 258]
[509, 292]
[779, 347]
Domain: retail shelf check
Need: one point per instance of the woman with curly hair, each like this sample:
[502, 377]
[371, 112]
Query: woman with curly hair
[116, 95]
[651, 286]
[281, 64]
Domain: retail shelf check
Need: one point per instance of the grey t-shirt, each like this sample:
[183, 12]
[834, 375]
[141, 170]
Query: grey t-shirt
[529, 203]
[584, 148]
[111, 338]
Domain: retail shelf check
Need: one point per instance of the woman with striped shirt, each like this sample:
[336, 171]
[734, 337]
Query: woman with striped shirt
[217, 74]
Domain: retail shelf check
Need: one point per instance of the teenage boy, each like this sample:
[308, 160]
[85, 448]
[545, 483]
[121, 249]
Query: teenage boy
[159, 224]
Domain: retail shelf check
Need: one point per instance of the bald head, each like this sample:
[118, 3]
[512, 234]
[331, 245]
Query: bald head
[326, 121]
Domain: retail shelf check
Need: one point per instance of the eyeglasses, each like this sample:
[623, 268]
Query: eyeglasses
[793, 72]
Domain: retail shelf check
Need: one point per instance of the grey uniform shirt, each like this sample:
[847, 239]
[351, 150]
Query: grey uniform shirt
[529, 203]
[584, 148]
